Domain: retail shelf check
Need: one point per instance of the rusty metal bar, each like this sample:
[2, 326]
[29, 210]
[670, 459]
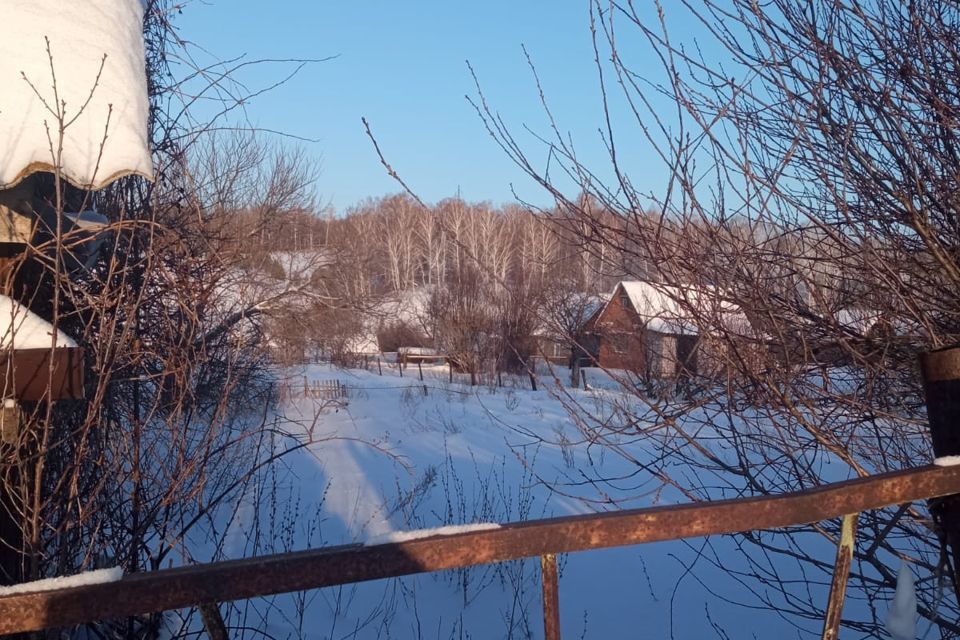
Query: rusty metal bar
[551, 596]
[251, 577]
[841, 572]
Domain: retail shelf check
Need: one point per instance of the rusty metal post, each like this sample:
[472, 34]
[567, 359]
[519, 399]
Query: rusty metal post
[841, 572]
[213, 622]
[941, 382]
[551, 597]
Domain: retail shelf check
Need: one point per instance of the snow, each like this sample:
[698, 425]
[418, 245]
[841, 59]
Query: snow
[946, 461]
[88, 220]
[857, 319]
[406, 458]
[20, 328]
[410, 307]
[98, 576]
[418, 351]
[667, 308]
[363, 344]
[80, 34]
[302, 264]
[568, 311]
[657, 304]
[902, 619]
[417, 534]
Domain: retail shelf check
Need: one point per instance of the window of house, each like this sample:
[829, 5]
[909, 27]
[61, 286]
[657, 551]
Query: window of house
[620, 342]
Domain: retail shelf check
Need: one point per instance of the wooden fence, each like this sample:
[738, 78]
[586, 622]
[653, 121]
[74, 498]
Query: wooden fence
[326, 390]
[240, 579]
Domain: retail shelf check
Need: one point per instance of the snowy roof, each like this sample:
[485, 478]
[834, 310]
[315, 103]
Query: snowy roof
[594, 304]
[418, 351]
[671, 308]
[569, 312]
[857, 319]
[102, 107]
[410, 307]
[20, 328]
[657, 304]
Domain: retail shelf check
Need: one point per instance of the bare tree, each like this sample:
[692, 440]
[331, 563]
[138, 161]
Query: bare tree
[173, 423]
[812, 188]
[466, 323]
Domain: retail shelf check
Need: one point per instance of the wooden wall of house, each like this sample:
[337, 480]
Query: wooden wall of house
[623, 342]
[618, 336]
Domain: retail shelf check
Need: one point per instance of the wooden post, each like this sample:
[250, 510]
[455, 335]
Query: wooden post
[533, 380]
[583, 375]
[420, 368]
[941, 382]
[841, 572]
[551, 597]
[450, 370]
[379, 367]
[10, 421]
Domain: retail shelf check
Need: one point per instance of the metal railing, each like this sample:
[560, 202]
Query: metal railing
[217, 582]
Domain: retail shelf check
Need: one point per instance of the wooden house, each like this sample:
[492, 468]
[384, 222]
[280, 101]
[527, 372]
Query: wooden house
[645, 329]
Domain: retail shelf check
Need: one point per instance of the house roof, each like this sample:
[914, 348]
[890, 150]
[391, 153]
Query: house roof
[659, 307]
[409, 306]
[95, 48]
[678, 309]
[858, 319]
[568, 312]
[20, 328]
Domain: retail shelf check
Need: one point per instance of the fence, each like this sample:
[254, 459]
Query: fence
[239, 579]
[326, 390]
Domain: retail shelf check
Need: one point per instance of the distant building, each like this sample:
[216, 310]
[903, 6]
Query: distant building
[662, 331]
[642, 328]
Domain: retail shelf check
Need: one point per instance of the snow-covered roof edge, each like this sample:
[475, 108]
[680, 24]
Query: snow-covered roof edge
[21, 328]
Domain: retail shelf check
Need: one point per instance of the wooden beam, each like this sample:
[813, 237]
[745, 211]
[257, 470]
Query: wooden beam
[27, 373]
[251, 577]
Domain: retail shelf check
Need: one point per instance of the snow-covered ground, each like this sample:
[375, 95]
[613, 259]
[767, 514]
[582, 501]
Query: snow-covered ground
[402, 455]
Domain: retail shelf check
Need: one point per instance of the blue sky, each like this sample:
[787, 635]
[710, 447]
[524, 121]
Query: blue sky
[403, 66]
